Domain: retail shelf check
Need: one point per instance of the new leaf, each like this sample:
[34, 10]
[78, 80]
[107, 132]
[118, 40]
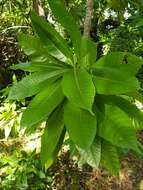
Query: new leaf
[78, 88]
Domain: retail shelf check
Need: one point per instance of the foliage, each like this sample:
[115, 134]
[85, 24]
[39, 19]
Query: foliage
[20, 171]
[10, 119]
[14, 13]
[70, 88]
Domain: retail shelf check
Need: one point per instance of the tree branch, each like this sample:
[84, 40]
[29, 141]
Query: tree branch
[88, 18]
[38, 8]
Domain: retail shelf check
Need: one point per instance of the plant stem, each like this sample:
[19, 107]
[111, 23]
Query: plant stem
[88, 18]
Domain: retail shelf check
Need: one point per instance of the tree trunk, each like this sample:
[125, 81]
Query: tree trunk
[88, 18]
[38, 9]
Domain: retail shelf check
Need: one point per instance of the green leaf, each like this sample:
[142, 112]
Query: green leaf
[54, 65]
[51, 137]
[47, 33]
[42, 105]
[80, 124]
[29, 44]
[114, 80]
[115, 73]
[113, 58]
[129, 108]
[109, 157]
[32, 84]
[88, 51]
[93, 155]
[116, 128]
[78, 87]
[126, 61]
[33, 47]
[67, 21]
[25, 67]
[37, 67]
[133, 62]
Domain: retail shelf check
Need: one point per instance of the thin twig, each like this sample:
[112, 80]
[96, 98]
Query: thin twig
[15, 27]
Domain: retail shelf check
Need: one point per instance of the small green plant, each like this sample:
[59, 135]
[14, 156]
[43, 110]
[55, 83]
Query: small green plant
[77, 94]
[20, 171]
[10, 119]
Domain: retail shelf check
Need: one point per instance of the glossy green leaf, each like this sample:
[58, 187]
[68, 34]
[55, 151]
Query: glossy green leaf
[116, 128]
[51, 137]
[129, 108]
[88, 51]
[109, 157]
[29, 44]
[114, 80]
[37, 51]
[115, 73]
[113, 58]
[24, 67]
[67, 21]
[93, 155]
[80, 124]
[47, 33]
[133, 62]
[120, 60]
[37, 67]
[32, 84]
[42, 105]
[78, 88]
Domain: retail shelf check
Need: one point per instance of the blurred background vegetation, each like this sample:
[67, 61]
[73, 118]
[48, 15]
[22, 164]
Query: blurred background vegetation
[117, 25]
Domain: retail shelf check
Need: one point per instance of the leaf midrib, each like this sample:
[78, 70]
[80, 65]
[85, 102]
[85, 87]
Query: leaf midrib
[77, 84]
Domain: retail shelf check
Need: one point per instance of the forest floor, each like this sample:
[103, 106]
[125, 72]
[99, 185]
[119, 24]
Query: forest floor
[69, 177]
[66, 175]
